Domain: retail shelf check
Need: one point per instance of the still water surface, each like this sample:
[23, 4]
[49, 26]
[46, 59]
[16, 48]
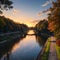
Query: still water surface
[26, 49]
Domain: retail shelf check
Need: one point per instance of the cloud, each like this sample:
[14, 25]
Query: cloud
[46, 3]
[40, 14]
[34, 21]
[15, 11]
[43, 12]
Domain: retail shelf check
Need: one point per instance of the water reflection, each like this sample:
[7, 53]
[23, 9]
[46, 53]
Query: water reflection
[5, 48]
[24, 48]
[30, 32]
[40, 40]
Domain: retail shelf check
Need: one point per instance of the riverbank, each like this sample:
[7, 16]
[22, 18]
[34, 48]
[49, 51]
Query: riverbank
[50, 50]
[26, 48]
[45, 51]
[10, 36]
[58, 51]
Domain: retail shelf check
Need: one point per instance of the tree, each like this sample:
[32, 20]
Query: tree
[54, 18]
[42, 25]
[42, 28]
[5, 5]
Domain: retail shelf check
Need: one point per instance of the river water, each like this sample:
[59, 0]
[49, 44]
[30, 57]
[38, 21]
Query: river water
[27, 48]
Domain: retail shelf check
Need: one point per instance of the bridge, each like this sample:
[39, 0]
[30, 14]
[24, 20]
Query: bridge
[33, 28]
[39, 32]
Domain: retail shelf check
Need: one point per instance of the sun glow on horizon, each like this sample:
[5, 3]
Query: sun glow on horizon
[22, 18]
[30, 22]
[28, 14]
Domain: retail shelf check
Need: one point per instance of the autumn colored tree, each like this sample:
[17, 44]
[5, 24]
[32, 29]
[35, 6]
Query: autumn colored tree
[54, 18]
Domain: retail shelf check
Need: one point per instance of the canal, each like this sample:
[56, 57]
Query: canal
[26, 48]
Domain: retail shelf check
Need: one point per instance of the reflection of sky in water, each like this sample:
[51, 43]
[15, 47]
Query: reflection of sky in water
[31, 32]
[26, 49]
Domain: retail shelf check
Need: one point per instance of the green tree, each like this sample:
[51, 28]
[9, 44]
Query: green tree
[42, 29]
[42, 25]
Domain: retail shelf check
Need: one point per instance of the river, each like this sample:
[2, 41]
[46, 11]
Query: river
[27, 48]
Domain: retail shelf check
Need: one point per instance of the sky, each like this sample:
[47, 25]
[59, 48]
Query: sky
[28, 11]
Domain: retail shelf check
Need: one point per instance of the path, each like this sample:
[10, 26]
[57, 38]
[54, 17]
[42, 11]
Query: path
[52, 53]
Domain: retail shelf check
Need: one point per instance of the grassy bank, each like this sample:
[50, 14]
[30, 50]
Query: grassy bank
[58, 51]
[45, 51]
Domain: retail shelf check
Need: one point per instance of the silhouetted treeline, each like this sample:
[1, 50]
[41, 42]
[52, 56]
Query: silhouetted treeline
[8, 25]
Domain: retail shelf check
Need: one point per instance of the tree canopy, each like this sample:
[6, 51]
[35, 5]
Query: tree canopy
[5, 5]
[54, 18]
[8, 25]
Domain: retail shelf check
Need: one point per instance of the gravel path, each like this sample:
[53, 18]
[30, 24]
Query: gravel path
[52, 53]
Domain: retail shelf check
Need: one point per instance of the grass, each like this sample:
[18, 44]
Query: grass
[46, 52]
[58, 51]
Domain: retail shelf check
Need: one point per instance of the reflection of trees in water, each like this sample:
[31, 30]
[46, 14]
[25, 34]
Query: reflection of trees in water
[40, 40]
[7, 57]
[5, 49]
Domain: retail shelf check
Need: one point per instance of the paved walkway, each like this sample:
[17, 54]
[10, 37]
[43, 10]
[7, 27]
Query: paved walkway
[52, 53]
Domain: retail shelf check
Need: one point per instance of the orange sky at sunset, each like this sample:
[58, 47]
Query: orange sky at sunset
[28, 18]
[28, 12]
[20, 17]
